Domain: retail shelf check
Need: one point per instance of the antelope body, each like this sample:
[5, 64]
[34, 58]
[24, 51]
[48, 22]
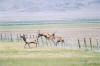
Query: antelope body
[28, 41]
[60, 39]
[47, 36]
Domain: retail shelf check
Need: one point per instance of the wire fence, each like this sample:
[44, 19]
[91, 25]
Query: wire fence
[87, 43]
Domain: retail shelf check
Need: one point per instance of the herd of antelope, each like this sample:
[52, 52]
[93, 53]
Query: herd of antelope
[47, 36]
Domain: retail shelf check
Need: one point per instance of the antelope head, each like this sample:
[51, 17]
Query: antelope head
[22, 36]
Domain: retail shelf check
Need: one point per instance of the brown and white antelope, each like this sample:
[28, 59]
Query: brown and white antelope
[48, 36]
[60, 39]
[28, 41]
[51, 37]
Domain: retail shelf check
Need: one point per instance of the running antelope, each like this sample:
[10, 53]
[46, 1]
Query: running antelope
[60, 39]
[51, 37]
[47, 36]
[28, 41]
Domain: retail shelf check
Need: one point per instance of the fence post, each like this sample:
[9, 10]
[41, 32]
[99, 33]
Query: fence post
[17, 37]
[85, 43]
[91, 43]
[72, 42]
[5, 37]
[30, 36]
[66, 44]
[79, 43]
[98, 44]
[33, 36]
[1, 36]
[20, 38]
[11, 38]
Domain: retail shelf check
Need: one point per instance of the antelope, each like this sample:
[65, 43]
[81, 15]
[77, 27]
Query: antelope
[28, 41]
[60, 39]
[51, 37]
[47, 36]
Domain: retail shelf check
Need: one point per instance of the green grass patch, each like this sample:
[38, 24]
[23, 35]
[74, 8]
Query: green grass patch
[13, 54]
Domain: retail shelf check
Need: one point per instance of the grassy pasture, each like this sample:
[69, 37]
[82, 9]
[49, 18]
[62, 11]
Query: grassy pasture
[13, 54]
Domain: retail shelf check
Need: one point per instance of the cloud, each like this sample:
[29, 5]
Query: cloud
[44, 5]
[49, 9]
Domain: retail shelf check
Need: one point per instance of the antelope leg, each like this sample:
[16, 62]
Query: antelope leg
[50, 42]
[56, 43]
[61, 43]
[64, 43]
[41, 39]
[28, 45]
[25, 45]
[38, 41]
[46, 41]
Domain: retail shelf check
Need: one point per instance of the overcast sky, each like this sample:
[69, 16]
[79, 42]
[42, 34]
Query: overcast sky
[48, 9]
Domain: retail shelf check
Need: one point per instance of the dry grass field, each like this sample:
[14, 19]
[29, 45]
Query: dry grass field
[14, 53]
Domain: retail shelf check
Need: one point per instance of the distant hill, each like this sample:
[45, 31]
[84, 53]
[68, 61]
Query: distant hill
[89, 20]
[40, 22]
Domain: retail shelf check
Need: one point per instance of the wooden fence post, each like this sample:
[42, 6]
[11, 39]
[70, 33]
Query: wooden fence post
[79, 43]
[98, 44]
[85, 43]
[11, 38]
[8, 37]
[33, 36]
[30, 36]
[66, 44]
[5, 36]
[18, 37]
[91, 43]
[72, 42]
[1, 36]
